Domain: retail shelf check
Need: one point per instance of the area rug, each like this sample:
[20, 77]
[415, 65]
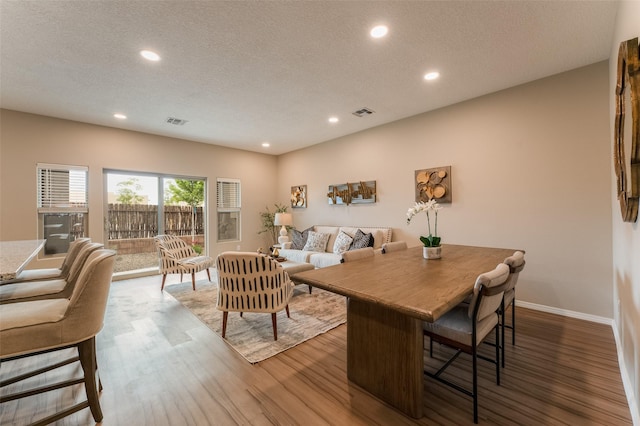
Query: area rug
[252, 334]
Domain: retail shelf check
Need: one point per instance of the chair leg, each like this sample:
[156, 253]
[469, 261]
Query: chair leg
[193, 281]
[180, 276]
[209, 274]
[475, 384]
[287, 309]
[274, 321]
[87, 355]
[164, 278]
[225, 314]
[513, 321]
[503, 326]
[498, 353]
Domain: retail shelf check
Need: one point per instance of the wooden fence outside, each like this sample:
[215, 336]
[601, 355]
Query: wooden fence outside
[128, 221]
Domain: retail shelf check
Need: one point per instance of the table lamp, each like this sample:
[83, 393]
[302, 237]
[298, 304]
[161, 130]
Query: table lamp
[283, 219]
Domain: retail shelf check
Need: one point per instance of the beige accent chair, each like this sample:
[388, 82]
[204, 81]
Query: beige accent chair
[48, 289]
[53, 273]
[252, 282]
[42, 326]
[351, 255]
[394, 246]
[516, 264]
[178, 257]
[466, 326]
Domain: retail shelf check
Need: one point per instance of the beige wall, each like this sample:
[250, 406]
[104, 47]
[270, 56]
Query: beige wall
[626, 238]
[530, 169]
[27, 139]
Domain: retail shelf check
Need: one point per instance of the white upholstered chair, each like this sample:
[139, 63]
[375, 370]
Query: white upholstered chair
[351, 255]
[25, 291]
[178, 257]
[252, 282]
[394, 246]
[516, 264]
[41, 326]
[466, 326]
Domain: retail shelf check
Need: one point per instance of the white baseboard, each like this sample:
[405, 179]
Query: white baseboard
[565, 312]
[626, 379]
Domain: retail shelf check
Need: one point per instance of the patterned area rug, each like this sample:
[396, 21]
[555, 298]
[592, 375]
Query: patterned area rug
[252, 334]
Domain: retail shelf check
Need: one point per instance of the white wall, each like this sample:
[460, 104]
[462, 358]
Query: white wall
[530, 169]
[626, 238]
[27, 139]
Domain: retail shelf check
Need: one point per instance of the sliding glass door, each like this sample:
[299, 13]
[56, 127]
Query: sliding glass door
[140, 206]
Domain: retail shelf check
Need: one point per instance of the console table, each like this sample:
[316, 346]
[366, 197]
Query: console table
[389, 296]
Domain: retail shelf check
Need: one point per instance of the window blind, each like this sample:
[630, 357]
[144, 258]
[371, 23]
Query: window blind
[228, 197]
[62, 188]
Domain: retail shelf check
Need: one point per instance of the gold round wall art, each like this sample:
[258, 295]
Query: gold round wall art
[433, 184]
[626, 146]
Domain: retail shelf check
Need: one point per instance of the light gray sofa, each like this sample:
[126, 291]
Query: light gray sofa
[381, 235]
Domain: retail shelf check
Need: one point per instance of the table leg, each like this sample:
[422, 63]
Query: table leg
[384, 355]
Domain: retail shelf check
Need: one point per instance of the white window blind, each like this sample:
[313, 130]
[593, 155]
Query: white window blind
[228, 197]
[62, 188]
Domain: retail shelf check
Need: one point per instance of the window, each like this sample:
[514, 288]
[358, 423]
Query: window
[62, 205]
[228, 205]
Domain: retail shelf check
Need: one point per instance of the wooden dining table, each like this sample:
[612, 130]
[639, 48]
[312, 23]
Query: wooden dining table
[388, 298]
[15, 255]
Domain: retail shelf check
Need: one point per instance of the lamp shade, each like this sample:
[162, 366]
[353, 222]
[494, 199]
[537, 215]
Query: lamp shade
[284, 219]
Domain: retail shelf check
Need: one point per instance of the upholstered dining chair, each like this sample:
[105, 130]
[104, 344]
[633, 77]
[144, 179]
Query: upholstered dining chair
[252, 282]
[25, 291]
[516, 264]
[394, 246]
[178, 257]
[351, 255]
[41, 326]
[466, 326]
[53, 273]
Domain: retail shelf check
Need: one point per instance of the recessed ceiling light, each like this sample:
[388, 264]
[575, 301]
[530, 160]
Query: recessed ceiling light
[120, 116]
[333, 119]
[432, 75]
[149, 55]
[379, 31]
[266, 144]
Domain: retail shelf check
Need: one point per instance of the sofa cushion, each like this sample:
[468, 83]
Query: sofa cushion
[332, 231]
[380, 234]
[343, 242]
[316, 241]
[322, 260]
[299, 256]
[299, 238]
[360, 240]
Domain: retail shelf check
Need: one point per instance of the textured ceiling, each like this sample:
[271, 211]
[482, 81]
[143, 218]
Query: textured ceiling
[243, 73]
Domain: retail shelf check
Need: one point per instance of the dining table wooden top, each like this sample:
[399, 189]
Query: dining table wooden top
[14, 256]
[406, 282]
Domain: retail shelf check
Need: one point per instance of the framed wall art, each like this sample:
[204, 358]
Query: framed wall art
[299, 196]
[433, 184]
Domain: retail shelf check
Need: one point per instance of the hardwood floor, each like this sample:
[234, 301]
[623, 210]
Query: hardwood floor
[160, 365]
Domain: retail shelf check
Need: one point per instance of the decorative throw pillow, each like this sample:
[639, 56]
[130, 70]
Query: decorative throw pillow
[316, 241]
[361, 240]
[343, 241]
[299, 239]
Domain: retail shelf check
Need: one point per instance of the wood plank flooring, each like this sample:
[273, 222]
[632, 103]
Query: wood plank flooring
[160, 365]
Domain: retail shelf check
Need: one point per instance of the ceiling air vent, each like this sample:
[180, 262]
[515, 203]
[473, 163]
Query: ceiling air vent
[176, 121]
[363, 112]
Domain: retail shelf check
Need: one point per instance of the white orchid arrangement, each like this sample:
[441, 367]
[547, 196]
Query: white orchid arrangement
[430, 206]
